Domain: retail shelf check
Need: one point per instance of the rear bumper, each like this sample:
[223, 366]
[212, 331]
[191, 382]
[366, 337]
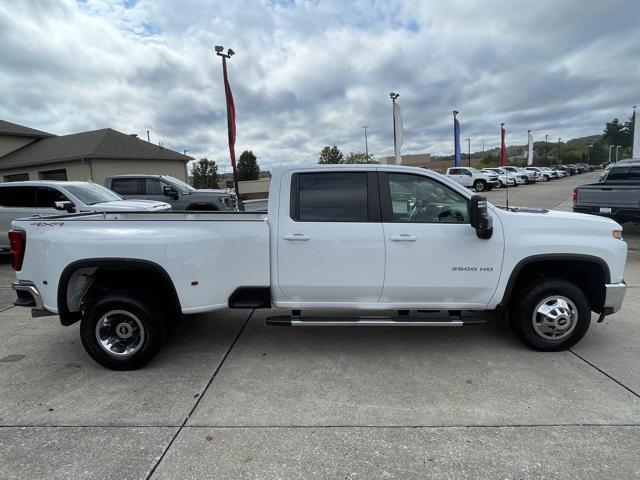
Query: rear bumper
[613, 297]
[630, 213]
[27, 295]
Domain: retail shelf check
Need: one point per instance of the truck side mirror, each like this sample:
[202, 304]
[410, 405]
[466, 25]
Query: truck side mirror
[480, 218]
[170, 192]
[65, 205]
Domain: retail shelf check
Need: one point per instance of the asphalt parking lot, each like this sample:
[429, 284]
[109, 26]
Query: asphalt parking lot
[233, 398]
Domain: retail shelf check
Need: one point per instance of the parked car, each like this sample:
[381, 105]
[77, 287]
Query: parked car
[528, 177]
[505, 179]
[617, 196]
[335, 237]
[518, 179]
[180, 195]
[569, 169]
[544, 175]
[473, 178]
[561, 173]
[43, 197]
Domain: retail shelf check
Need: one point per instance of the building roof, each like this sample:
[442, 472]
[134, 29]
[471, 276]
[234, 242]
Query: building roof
[104, 144]
[8, 128]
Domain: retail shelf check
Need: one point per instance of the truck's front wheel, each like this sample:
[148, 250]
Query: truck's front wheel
[551, 314]
[480, 185]
[121, 332]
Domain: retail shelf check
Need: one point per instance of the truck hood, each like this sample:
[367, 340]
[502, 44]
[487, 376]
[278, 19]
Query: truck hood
[129, 205]
[539, 217]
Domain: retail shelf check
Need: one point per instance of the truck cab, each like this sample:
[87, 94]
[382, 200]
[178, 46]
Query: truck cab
[473, 178]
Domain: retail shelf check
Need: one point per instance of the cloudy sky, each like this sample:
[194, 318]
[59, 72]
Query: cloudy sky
[311, 73]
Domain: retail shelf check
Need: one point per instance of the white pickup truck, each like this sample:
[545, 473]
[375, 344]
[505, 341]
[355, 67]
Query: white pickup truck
[367, 238]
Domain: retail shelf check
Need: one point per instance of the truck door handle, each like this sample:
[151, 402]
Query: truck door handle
[403, 237]
[300, 237]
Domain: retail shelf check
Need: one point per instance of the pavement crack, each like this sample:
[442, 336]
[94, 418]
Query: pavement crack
[606, 374]
[195, 405]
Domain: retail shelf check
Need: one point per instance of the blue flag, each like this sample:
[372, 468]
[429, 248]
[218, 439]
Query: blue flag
[456, 141]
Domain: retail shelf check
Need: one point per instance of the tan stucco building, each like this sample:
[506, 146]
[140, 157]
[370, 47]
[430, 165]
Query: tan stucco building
[29, 154]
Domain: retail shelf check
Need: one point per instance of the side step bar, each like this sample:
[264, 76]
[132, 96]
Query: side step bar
[402, 321]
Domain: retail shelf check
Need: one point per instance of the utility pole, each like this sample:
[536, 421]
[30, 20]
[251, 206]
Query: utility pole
[148, 137]
[483, 146]
[366, 143]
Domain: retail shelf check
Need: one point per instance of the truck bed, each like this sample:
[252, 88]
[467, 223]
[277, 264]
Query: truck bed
[615, 200]
[206, 254]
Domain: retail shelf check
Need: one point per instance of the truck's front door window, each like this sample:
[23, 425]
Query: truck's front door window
[417, 199]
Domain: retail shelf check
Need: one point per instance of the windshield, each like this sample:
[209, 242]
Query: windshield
[178, 183]
[91, 193]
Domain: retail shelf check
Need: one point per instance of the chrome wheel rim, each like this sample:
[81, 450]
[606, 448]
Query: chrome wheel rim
[120, 333]
[555, 317]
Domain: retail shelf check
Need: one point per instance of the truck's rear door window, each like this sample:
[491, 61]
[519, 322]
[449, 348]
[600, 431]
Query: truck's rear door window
[332, 197]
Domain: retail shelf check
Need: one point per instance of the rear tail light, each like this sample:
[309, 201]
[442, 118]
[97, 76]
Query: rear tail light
[575, 195]
[18, 242]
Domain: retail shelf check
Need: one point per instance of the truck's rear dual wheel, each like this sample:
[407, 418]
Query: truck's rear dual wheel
[122, 332]
[550, 314]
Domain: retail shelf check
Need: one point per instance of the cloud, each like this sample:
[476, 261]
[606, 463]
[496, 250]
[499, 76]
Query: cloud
[312, 73]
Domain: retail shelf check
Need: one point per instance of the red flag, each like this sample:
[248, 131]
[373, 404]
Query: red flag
[231, 116]
[503, 150]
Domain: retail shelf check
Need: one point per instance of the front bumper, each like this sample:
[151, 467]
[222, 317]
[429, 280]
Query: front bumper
[613, 297]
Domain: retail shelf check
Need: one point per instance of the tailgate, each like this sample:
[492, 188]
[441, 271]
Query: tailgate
[609, 196]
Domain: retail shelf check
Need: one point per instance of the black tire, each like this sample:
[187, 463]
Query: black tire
[529, 298]
[479, 185]
[123, 308]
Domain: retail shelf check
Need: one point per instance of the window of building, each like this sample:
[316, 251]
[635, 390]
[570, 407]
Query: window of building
[59, 174]
[17, 196]
[332, 197]
[16, 177]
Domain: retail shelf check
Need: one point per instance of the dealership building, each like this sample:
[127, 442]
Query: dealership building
[29, 154]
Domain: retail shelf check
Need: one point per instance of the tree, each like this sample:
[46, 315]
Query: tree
[359, 157]
[204, 174]
[248, 168]
[330, 155]
[616, 133]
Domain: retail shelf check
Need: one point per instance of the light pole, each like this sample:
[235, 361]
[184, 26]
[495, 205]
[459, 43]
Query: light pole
[468, 140]
[483, 147]
[610, 147]
[559, 140]
[546, 150]
[366, 143]
[231, 115]
[617, 148]
[589, 154]
[394, 96]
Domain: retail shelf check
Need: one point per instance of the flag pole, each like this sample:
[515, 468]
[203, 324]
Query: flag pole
[231, 118]
[455, 140]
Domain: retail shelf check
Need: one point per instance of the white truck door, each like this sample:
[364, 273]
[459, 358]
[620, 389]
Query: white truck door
[434, 257]
[461, 176]
[330, 243]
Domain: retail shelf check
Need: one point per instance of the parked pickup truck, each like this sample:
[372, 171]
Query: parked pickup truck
[473, 178]
[368, 238]
[616, 196]
[164, 188]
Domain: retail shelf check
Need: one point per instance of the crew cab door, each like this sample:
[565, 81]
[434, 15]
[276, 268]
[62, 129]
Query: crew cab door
[330, 248]
[434, 258]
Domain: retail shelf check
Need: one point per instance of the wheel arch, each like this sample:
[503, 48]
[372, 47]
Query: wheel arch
[588, 272]
[107, 269]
